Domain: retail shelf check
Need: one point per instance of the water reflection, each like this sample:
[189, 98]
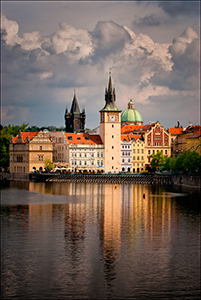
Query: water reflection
[99, 241]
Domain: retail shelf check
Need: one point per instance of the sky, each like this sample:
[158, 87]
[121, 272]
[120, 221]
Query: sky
[49, 49]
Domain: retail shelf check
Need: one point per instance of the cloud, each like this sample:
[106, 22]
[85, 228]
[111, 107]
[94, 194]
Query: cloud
[148, 20]
[45, 75]
[185, 55]
[175, 8]
[42, 71]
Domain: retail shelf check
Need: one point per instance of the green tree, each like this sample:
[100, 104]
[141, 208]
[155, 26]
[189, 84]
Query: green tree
[5, 135]
[157, 161]
[48, 164]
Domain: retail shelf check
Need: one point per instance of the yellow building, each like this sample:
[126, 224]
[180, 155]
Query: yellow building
[138, 155]
[189, 139]
[28, 151]
[193, 142]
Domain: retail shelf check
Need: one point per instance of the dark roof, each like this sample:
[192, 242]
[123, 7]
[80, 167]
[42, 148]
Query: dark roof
[75, 107]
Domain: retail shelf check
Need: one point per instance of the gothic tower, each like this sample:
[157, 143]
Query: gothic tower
[75, 120]
[110, 130]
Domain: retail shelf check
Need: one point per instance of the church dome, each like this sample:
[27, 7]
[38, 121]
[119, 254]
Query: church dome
[131, 115]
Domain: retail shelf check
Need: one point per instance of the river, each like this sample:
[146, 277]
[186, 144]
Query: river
[99, 241]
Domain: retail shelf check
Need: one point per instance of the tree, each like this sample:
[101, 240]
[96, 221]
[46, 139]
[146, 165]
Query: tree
[48, 164]
[5, 135]
[157, 161]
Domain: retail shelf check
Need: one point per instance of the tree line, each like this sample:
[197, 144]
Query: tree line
[188, 161]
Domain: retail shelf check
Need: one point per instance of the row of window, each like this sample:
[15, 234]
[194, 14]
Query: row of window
[124, 160]
[125, 153]
[85, 163]
[126, 147]
[157, 144]
[85, 154]
[138, 158]
[153, 151]
[138, 151]
[35, 147]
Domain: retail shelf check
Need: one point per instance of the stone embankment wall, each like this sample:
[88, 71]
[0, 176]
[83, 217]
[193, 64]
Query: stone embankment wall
[193, 180]
[14, 176]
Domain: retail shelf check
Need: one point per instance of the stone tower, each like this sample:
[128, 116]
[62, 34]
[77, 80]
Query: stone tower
[75, 120]
[110, 130]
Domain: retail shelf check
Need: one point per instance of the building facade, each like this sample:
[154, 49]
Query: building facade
[29, 150]
[126, 154]
[85, 152]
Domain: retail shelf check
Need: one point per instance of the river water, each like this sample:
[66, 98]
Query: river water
[98, 241]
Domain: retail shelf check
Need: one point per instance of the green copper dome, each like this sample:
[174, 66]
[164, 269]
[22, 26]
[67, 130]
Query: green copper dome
[131, 114]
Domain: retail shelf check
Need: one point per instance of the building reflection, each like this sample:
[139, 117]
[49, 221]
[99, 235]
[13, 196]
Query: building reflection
[112, 217]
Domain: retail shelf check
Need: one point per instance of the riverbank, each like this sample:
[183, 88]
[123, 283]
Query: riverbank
[189, 180]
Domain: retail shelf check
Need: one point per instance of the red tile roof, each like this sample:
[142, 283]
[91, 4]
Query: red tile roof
[175, 130]
[195, 134]
[24, 136]
[135, 136]
[126, 129]
[125, 138]
[83, 138]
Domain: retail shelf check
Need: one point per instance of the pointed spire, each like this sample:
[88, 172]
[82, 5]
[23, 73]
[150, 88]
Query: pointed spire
[110, 97]
[75, 106]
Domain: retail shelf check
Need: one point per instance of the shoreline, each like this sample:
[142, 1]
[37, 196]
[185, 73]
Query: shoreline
[188, 180]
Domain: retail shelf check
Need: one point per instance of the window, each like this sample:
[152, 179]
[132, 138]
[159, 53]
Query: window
[19, 158]
[46, 147]
[80, 162]
[101, 162]
[92, 154]
[148, 151]
[138, 145]
[133, 157]
[75, 162]
[112, 157]
[133, 150]
[112, 147]
[112, 126]
[85, 155]
[112, 167]
[123, 160]
[80, 154]
[101, 154]
[142, 157]
[35, 147]
[153, 151]
[97, 154]
[138, 158]
[112, 136]
[40, 157]
[138, 151]
[142, 151]
[123, 153]
[148, 143]
[98, 162]
[165, 151]
[142, 165]
[129, 160]
[85, 163]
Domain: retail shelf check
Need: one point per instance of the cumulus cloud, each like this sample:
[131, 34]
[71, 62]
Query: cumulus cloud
[44, 70]
[185, 56]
